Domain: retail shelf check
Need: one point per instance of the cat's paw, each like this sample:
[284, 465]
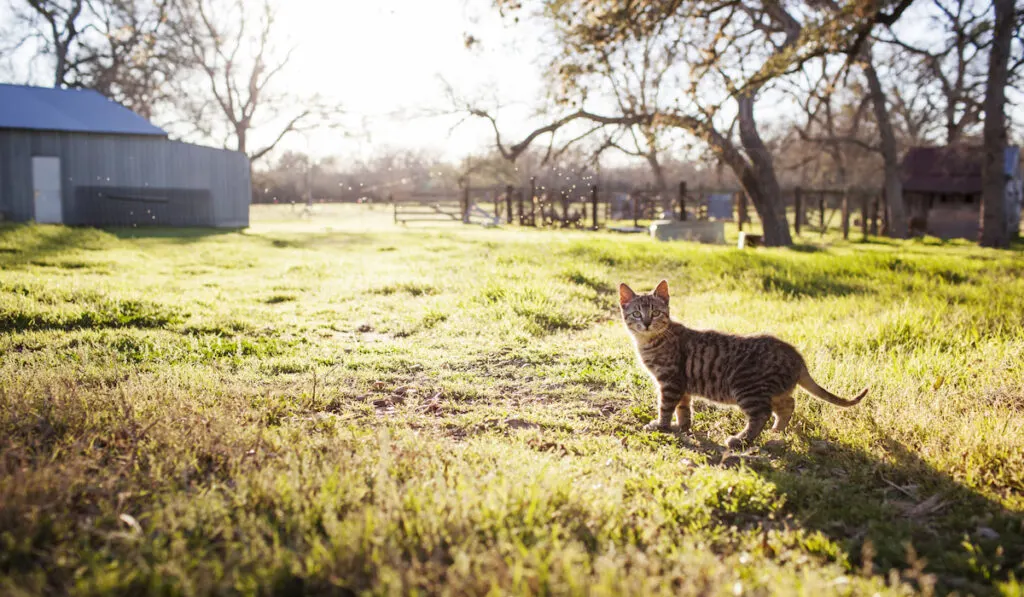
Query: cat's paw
[681, 429]
[656, 425]
[736, 443]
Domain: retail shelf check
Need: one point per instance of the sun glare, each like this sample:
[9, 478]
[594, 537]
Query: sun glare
[393, 58]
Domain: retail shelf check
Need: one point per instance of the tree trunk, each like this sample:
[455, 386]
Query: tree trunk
[60, 56]
[61, 39]
[660, 186]
[952, 129]
[758, 179]
[893, 181]
[60, 68]
[240, 137]
[994, 231]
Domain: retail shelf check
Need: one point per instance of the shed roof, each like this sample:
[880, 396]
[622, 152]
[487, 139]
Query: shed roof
[69, 110]
[953, 169]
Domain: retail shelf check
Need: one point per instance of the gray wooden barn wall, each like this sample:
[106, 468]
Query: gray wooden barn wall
[118, 180]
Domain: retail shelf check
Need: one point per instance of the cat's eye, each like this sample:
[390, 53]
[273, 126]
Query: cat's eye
[655, 313]
[635, 315]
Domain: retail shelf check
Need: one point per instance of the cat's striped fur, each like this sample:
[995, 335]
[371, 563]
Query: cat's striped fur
[756, 373]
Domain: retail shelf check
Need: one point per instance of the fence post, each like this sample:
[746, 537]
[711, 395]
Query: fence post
[465, 203]
[846, 215]
[874, 215]
[564, 196]
[533, 201]
[741, 209]
[593, 204]
[635, 209]
[745, 204]
[798, 205]
[821, 211]
[497, 205]
[508, 204]
[885, 213]
[739, 214]
[394, 206]
[519, 200]
[864, 215]
[682, 201]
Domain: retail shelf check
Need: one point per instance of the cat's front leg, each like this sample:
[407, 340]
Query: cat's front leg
[670, 397]
[683, 414]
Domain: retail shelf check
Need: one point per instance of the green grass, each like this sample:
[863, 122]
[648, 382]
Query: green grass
[338, 406]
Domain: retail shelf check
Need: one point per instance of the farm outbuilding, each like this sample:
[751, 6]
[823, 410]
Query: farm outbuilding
[942, 190]
[72, 156]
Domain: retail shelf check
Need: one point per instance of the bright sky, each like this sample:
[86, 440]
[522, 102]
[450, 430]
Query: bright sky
[381, 58]
[388, 57]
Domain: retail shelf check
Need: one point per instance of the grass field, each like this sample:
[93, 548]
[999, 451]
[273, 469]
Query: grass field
[334, 405]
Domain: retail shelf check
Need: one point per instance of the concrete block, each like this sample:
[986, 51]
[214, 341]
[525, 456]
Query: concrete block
[703, 231]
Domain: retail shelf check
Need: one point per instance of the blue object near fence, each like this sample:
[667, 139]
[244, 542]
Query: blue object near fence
[720, 206]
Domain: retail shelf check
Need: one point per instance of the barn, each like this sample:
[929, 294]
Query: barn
[72, 156]
[942, 190]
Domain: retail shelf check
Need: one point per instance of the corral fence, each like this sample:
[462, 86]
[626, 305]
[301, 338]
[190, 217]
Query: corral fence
[816, 209]
[571, 207]
[425, 207]
[615, 208]
[439, 206]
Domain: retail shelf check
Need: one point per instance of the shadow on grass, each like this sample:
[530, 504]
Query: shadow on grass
[312, 240]
[23, 244]
[601, 287]
[176, 235]
[808, 285]
[888, 512]
[876, 508]
[806, 248]
[189, 235]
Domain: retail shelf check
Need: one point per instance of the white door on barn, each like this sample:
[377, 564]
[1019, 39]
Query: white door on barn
[46, 183]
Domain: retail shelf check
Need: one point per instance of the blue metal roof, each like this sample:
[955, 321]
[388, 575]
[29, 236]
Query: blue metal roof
[68, 110]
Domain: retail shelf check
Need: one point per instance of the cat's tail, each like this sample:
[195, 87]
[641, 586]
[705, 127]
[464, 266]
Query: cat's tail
[808, 383]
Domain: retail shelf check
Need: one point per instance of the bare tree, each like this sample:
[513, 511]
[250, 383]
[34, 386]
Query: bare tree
[950, 78]
[893, 186]
[633, 75]
[121, 48]
[238, 67]
[994, 232]
[951, 64]
[834, 117]
[862, 54]
[57, 26]
[130, 54]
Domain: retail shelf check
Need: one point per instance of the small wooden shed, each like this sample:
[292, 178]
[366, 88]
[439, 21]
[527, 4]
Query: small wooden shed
[942, 190]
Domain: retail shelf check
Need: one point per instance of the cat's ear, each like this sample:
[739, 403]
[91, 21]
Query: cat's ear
[662, 290]
[626, 294]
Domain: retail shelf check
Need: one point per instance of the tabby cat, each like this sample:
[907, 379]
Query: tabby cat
[756, 373]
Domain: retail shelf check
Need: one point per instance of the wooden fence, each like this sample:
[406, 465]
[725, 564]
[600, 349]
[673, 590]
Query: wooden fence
[821, 206]
[591, 208]
[425, 207]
